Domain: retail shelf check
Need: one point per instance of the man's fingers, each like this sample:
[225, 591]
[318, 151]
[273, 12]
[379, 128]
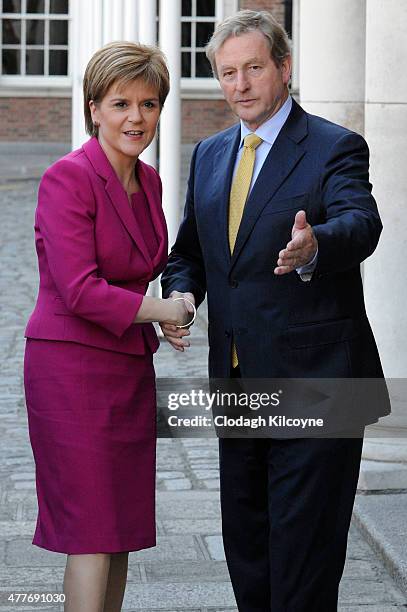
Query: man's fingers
[300, 221]
[289, 257]
[176, 333]
[170, 327]
[177, 343]
[293, 251]
[292, 262]
[299, 242]
[189, 296]
[283, 270]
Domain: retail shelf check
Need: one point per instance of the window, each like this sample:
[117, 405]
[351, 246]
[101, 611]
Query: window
[34, 37]
[288, 17]
[197, 26]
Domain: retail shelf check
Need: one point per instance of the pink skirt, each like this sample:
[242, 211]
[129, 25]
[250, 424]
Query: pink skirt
[92, 426]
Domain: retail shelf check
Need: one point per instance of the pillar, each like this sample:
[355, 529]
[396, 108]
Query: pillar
[332, 60]
[170, 122]
[385, 272]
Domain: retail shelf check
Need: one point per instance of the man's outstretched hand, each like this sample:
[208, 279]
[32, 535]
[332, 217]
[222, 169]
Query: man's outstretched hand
[301, 249]
[174, 335]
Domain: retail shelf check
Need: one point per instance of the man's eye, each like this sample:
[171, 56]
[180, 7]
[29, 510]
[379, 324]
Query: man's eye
[254, 68]
[227, 75]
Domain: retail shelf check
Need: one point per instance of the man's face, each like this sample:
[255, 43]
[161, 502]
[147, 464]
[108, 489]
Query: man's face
[254, 87]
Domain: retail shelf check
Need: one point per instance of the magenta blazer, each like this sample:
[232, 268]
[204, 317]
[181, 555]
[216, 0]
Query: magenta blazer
[93, 262]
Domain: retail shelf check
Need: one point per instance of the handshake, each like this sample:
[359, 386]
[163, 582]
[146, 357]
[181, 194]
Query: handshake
[175, 334]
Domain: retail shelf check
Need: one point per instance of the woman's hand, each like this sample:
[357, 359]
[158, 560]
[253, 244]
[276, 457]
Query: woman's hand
[167, 312]
[175, 336]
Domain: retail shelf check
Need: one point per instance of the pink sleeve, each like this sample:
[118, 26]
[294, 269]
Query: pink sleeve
[65, 218]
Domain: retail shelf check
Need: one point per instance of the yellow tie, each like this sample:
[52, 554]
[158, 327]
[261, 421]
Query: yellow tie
[238, 196]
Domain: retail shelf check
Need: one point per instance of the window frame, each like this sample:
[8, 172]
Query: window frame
[208, 87]
[27, 85]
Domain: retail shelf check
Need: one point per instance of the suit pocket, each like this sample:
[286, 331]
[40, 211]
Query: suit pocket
[60, 309]
[322, 332]
[299, 202]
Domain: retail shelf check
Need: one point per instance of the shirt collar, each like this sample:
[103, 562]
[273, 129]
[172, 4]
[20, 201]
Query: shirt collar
[269, 130]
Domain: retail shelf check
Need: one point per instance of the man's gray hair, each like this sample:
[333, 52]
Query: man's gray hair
[250, 21]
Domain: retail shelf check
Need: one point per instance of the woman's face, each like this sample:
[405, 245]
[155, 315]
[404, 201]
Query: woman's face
[127, 118]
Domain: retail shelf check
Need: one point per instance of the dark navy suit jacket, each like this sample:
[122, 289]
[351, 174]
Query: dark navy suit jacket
[283, 327]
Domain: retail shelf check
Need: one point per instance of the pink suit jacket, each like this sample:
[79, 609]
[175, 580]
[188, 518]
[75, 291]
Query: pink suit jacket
[93, 262]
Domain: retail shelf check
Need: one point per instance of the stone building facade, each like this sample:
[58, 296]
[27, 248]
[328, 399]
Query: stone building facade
[36, 110]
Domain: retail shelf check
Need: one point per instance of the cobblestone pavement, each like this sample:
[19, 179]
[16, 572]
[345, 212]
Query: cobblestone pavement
[186, 571]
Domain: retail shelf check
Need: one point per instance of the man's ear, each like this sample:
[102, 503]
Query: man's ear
[286, 66]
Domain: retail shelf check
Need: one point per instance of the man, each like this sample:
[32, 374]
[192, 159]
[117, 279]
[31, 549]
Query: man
[279, 215]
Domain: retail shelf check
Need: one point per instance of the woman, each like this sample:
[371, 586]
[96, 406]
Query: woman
[89, 378]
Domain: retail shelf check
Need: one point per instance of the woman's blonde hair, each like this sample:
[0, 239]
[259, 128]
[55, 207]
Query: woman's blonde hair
[122, 62]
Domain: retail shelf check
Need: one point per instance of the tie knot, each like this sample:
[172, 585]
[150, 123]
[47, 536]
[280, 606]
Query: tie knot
[252, 141]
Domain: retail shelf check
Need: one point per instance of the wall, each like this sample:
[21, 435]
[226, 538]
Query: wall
[35, 119]
[48, 119]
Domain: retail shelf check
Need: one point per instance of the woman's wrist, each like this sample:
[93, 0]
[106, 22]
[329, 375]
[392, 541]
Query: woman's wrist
[188, 306]
[158, 310]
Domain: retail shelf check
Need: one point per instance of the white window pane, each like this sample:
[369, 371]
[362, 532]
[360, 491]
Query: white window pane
[59, 6]
[58, 32]
[203, 67]
[205, 8]
[186, 8]
[35, 6]
[35, 32]
[203, 33]
[185, 35]
[11, 29]
[11, 61]
[186, 64]
[34, 62]
[11, 6]
[58, 62]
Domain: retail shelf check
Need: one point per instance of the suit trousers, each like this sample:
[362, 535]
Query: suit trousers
[286, 510]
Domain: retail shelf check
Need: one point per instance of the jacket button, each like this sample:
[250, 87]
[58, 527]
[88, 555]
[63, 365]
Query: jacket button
[233, 283]
[227, 334]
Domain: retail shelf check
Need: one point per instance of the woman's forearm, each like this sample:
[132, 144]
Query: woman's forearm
[159, 310]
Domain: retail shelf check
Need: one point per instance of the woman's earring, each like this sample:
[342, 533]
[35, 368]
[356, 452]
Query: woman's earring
[96, 124]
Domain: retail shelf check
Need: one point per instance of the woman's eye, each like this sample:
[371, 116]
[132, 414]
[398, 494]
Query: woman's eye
[149, 104]
[120, 104]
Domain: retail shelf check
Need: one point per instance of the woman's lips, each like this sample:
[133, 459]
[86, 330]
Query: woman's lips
[134, 134]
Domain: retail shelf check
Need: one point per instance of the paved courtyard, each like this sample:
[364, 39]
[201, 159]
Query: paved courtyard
[186, 571]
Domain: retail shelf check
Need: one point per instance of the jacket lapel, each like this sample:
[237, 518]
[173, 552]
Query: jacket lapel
[121, 203]
[117, 194]
[223, 165]
[280, 162]
[151, 187]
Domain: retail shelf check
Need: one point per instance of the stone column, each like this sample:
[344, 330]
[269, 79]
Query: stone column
[86, 38]
[170, 123]
[94, 24]
[147, 34]
[332, 60]
[130, 29]
[385, 272]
